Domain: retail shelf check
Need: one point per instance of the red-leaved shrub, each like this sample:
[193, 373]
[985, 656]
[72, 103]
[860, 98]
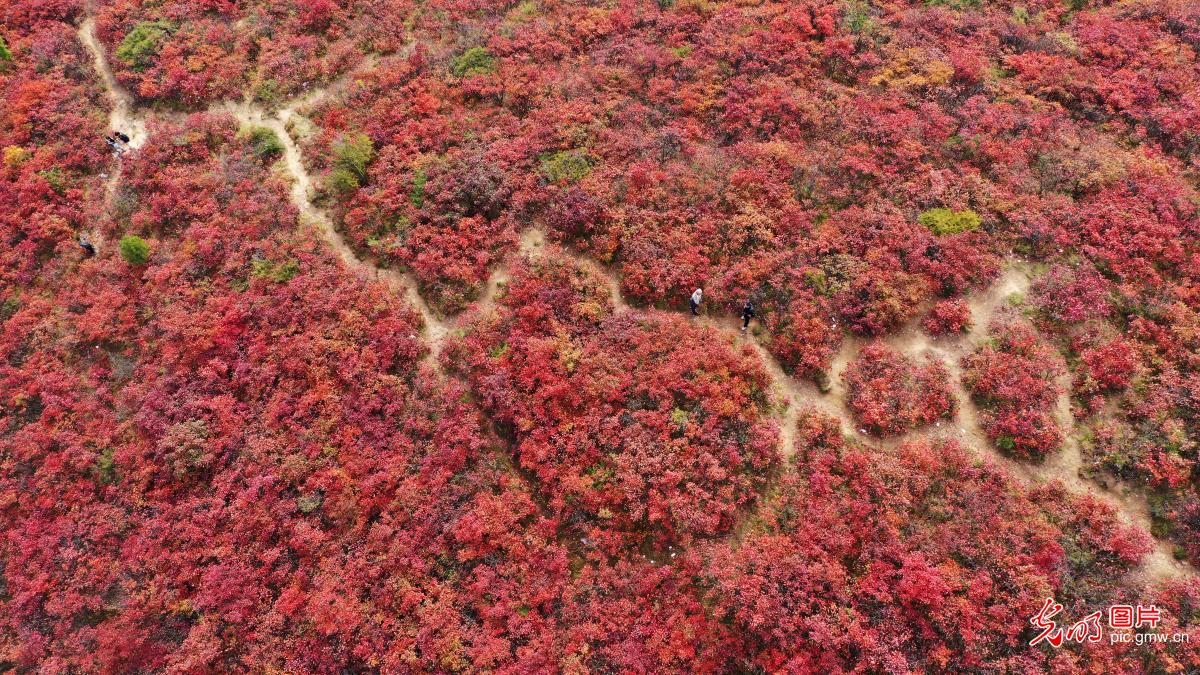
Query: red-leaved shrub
[1013, 377]
[890, 393]
[948, 317]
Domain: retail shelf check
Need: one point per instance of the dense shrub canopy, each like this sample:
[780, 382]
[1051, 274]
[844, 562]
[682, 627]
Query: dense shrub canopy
[1014, 378]
[227, 449]
[890, 393]
[937, 574]
[948, 317]
[640, 427]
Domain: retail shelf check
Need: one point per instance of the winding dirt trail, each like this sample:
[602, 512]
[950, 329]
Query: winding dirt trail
[1064, 465]
[792, 394]
[126, 117]
[434, 329]
[122, 117]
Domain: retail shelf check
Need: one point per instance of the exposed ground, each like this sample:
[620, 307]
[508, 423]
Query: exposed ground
[793, 394]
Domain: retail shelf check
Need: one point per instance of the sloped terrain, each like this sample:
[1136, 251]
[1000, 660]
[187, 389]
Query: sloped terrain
[384, 362]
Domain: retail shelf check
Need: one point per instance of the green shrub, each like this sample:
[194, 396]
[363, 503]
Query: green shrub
[945, 221]
[353, 153]
[141, 44]
[134, 249]
[277, 272]
[417, 195]
[858, 18]
[955, 4]
[566, 166]
[679, 417]
[267, 91]
[265, 142]
[401, 229]
[474, 61]
[287, 271]
[105, 468]
[9, 307]
[54, 176]
[523, 12]
[817, 280]
[5, 54]
[341, 181]
[310, 502]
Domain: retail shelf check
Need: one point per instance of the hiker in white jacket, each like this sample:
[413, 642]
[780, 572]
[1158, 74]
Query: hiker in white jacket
[695, 302]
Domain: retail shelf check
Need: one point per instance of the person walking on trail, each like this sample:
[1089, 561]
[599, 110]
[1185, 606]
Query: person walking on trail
[123, 138]
[112, 143]
[695, 301]
[86, 245]
[747, 314]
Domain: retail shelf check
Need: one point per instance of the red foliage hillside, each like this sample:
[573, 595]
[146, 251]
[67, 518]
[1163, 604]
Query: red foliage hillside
[247, 426]
[640, 428]
[48, 181]
[913, 560]
[224, 448]
[190, 53]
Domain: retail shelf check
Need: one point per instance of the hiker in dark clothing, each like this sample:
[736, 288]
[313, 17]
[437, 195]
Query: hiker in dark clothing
[87, 246]
[747, 314]
[112, 143]
[695, 300]
[123, 137]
